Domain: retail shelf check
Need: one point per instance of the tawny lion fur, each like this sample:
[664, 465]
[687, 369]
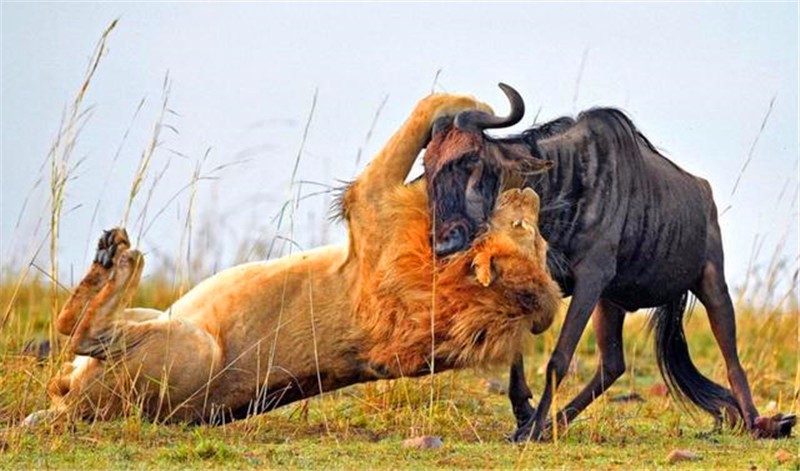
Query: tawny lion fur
[264, 334]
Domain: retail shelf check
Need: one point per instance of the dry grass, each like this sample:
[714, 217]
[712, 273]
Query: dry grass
[361, 426]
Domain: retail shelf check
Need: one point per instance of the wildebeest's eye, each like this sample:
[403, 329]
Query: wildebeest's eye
[471, 158]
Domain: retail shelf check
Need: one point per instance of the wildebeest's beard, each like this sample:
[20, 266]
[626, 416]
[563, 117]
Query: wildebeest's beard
[462, 196]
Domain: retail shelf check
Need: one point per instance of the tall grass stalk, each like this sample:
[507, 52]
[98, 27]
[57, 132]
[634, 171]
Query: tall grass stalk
[61, 167]
[149, 151]
[111, 168]
[367, 138]
[753, 145]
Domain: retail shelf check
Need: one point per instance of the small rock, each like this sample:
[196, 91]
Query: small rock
[493, 386]
[783, 456]
[772, 406]
[424, 442]
[675, 456]
[659, 389]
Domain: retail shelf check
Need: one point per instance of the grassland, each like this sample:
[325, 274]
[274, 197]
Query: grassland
[363, 426]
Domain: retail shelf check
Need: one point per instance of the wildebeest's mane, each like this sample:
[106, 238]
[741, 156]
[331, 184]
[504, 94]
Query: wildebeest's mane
[548, 129]
[620, 124]
[616, 131]
[615, 118]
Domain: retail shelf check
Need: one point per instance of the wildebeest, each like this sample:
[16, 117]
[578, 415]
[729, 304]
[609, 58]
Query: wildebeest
[627, 229]
[264, 334]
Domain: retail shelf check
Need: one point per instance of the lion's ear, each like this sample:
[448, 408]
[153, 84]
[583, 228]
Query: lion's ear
[523, 224]
[534, 201]
[483, 269]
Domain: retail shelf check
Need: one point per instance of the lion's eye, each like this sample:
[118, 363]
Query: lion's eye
[471, 159]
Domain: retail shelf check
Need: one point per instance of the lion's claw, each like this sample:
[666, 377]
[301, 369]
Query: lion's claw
[108, 246]
[106, 259]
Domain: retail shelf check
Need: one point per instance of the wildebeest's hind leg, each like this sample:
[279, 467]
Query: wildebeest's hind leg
[712, 291]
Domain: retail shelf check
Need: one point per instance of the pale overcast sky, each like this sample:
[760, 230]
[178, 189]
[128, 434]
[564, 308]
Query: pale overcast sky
[697, 79]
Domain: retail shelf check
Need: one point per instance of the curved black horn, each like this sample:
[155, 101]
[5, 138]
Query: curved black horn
[478, 120]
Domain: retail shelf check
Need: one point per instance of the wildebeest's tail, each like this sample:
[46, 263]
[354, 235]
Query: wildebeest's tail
[681, 376]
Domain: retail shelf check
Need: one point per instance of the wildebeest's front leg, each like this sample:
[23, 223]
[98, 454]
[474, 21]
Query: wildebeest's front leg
[607, 320]
[591, 278]
[519, 393]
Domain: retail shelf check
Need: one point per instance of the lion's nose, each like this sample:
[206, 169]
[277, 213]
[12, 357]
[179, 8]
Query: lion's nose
[452, 241]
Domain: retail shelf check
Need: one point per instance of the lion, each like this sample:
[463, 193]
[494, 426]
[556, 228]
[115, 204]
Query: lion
[262, 335]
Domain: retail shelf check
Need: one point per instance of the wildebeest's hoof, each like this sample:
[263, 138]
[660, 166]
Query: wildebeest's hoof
[519, 435]
[525, 434]
[524, 413]
[777, 426]
[528, 433]
[111, 243]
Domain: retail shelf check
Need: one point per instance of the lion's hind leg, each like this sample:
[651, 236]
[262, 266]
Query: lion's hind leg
[65, 390]
[163, 369]
[177, 366]
[93, 313]
[104, 292]
[166, 368]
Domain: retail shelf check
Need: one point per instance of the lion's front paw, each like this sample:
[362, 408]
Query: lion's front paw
[449, 105]
[110, 247]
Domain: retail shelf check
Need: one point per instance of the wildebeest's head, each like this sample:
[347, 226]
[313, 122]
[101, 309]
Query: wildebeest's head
[465, 170]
